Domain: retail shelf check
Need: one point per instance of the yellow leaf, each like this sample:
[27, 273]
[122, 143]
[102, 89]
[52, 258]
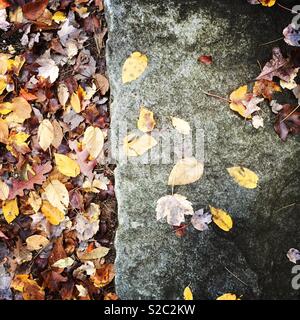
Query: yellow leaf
[75, 102]
[221, 218]
[186, 171]
[181, 125]
[228, 296]
[36, 242]
[4, 190]
[136, 146]
[236, 99]
[3, 131]
[2, 85]
[35, 201]
[59, 16]
[52, 214]
[187, 294]
[20, 108]
[146, 122]
[66, 165]
[268, 3]
[134, 67]
[57, 194]
[93, 141]
[244, 177]
[10, 210]
[45, 134]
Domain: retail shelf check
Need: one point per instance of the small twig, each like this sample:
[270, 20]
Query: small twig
[290, 113]
[236, 277]
[290, 205]
[215, 96]
[270, 42]
[259, 64]
[286, 8]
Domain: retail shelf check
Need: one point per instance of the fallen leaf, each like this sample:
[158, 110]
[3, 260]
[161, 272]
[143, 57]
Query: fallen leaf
[146, 122]
[34, 9]
[257, 122]
[265, 88]
[66, 165]
[101, 83]
[58, 134]
[63, 263]
[97, 253]
[63, 94]
[18, 186]
[52, 214]
[36, 242]
[293, 255]
[200, 220]
[35, 201]
[221, 218]
[181, 125]
[20, 110]
[4, 190]
[45, 134]
[134, 67]
[228, 296]
[48, 69]
[103, 276]
[93, 141]
[205, 59]
[3, 131]
[292, 35]
[136, 146]
[174, 208]
[57, 195]
[236, 101]
[10, 210]
[59, 16]
[187, 294]
[186, 171]
[244, 177]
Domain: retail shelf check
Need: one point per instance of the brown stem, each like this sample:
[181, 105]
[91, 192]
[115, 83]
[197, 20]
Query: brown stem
[215, 96]
[290, 113]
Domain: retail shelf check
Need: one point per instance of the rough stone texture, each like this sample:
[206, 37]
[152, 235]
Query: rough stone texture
[152, 263]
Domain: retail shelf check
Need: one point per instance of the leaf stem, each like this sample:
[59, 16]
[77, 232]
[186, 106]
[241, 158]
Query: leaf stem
[290, 114]
[286, 8]
[215, 96]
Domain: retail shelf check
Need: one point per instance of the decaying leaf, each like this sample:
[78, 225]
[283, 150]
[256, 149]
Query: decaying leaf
[146, 122]
[244, 177]
[35, 201]
[174, 208]
[236, 101]
[293, 255]
[187, 293]
[136, 146]
[221, 218]
[134, 67]
[228, 296]
[101, 83]
[104, 275]
[36, 242]
[186, 171]
[66, 165]
[181, 125]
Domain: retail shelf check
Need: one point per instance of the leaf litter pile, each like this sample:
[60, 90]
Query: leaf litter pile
[57, 218]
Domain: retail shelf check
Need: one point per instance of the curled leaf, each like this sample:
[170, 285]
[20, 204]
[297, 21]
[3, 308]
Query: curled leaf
[221, 218]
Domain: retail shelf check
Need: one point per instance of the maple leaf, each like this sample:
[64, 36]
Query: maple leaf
[278, 66]
[18, 186]
[174, 208]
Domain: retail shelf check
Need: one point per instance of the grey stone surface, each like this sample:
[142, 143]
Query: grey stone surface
[152, 263]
